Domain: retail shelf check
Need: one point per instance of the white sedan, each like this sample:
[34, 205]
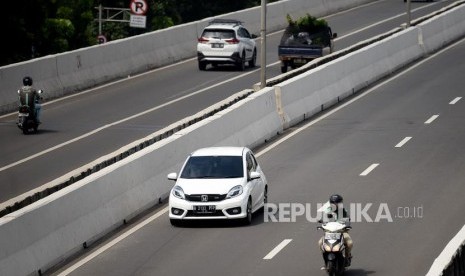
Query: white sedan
[218, 183]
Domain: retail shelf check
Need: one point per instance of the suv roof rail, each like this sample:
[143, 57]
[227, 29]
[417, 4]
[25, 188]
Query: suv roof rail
[225, 21]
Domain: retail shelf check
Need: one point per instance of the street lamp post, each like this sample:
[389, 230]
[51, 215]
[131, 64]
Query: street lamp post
[409, 16]
[263, 46]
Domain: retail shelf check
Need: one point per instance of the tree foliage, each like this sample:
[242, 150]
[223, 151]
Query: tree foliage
[38, 28]
[306, 23]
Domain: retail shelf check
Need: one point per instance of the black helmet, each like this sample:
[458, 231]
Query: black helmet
[27, 81]
[335, 199]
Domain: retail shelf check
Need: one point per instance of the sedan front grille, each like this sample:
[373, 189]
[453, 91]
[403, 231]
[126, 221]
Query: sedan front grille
[205, 198]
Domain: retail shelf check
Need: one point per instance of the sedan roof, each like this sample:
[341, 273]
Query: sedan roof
[219, 151]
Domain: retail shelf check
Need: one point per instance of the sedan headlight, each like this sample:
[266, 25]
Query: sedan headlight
[178, 192]
[235, 191]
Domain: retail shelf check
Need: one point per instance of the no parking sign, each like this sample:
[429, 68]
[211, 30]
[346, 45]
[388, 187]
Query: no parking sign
[138, 7]
[101, 39]
[138, 11]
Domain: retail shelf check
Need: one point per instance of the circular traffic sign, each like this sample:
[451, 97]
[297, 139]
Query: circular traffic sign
[101, 39]
[138, 7]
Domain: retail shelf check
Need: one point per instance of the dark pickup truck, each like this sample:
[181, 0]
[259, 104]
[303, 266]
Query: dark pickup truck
[299, 47]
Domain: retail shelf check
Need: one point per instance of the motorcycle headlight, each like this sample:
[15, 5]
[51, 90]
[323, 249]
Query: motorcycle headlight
[337, 247]
[327, 248]
[178, 192]
[235, 191]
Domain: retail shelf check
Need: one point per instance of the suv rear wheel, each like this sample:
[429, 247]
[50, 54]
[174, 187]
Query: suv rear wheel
[253, 61]
[202, 65]
[241, 63]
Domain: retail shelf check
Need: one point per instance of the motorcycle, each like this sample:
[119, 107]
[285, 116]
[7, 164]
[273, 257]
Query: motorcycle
[26, 117]
[333, 247]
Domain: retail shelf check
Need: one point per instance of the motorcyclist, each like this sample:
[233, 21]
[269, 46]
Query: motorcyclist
[337, 212]
[29, 96]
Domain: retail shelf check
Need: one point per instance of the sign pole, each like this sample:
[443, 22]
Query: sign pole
[100, 19]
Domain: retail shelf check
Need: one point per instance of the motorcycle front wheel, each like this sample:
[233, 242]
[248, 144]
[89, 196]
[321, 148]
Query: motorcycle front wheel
[331, 268]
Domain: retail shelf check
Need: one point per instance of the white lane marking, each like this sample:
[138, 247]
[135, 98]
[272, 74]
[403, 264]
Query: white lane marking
[369, 169]
[118, 122]
[369, 91]
[276, 250]
[265, 150]
[163, 105]
[113, 242]
[431, 119]
[386, 20]
[451, 249]
[324, 207]
[454, 101]
[403, 142]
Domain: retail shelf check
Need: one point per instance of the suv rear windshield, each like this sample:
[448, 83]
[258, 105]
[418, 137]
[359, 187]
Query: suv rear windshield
[213, 167]
[218, 33]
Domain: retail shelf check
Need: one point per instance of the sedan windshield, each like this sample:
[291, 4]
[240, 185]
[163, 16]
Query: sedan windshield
[213, 167]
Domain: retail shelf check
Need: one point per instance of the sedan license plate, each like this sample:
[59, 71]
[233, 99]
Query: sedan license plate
[217, 45]
[205, 209]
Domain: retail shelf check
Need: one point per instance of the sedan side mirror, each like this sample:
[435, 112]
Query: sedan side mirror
[172, 176]
[254, 175]
[253, 35]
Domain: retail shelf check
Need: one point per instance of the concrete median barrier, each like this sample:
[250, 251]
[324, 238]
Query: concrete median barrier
[442, 30]
[80, 213]
[85, 68]
[315, 90]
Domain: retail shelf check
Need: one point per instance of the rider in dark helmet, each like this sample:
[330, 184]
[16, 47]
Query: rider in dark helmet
[337, 209]
[28, 95]
[27, 81]
[336, 202]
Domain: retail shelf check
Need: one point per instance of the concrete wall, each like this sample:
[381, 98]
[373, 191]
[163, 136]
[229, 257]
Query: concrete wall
[62, 222]
[73, 71]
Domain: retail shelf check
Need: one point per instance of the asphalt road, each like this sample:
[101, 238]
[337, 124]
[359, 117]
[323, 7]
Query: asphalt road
[417, 185]
[67, 139]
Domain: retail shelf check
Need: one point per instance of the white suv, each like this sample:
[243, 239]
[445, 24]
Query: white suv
[226, 41]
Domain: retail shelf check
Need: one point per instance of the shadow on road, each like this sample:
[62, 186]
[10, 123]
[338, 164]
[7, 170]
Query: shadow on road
[358, 272]
[257, 219]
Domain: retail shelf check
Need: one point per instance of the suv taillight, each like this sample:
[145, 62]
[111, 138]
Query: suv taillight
[203, 40]
[232, 41]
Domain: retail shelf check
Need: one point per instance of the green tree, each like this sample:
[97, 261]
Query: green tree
[42, 27]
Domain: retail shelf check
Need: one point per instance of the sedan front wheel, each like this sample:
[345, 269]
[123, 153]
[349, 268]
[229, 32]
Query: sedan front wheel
[248, 218]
